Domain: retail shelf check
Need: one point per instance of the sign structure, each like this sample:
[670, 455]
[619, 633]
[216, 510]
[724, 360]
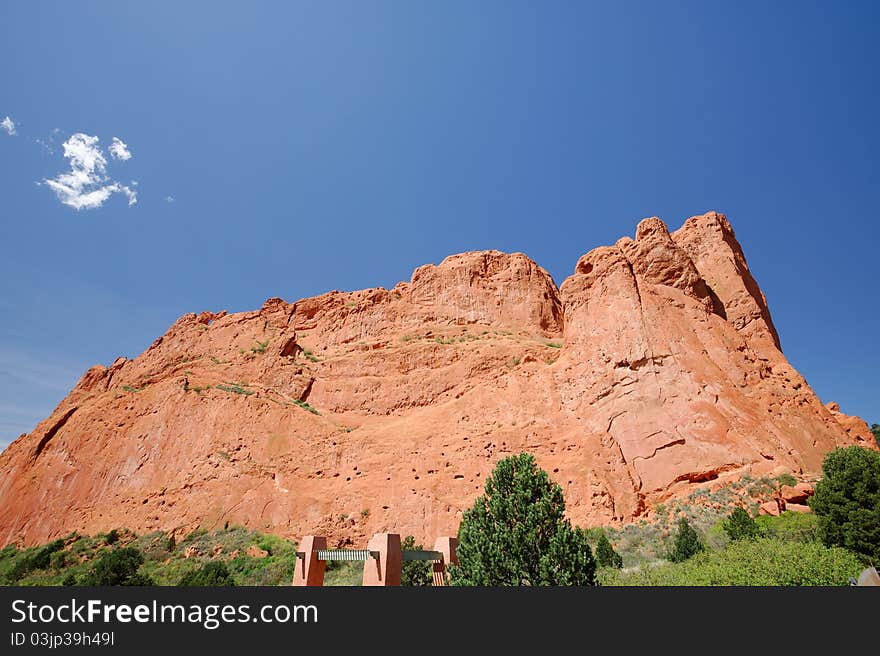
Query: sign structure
[383, 559]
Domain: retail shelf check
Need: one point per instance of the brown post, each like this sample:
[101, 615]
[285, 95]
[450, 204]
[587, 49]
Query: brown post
[447, 547]
[309, 570]
[385, 570]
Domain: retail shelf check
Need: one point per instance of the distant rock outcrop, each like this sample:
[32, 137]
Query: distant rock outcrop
[654, 368]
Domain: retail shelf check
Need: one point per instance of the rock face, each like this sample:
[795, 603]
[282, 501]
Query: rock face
[654, 368]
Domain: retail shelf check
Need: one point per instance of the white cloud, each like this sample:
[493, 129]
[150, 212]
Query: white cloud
[9, 126]
[87, 185]
[119, 150]
[169, 199]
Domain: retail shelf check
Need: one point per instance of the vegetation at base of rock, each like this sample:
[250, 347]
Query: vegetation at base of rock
[606, 556]
[415, 573]
[650, 539]
[37, 559]
[343, 573]
[875, 428]
[117, 567]
[847, 501]
[516, 533]
[213, 573]
[166, 560]
[789, 526]
[740, 525]
[764, 561]
[686, 543]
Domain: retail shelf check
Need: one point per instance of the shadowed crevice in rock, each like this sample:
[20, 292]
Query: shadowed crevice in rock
[290, 348]
[710, 241]
[708, 475]
[717, 304]
[57, 426]
[308, 390]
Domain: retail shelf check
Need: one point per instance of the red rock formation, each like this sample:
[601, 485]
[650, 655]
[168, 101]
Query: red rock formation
[654, 368]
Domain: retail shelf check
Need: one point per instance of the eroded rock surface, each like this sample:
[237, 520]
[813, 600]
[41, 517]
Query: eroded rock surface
[654, 368]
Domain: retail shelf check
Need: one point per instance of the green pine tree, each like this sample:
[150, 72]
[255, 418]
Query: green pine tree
[606, 556]
[118, 567]
[517, 534]
[686, 543]
[740, 525]
[214, 573]
[847, 500]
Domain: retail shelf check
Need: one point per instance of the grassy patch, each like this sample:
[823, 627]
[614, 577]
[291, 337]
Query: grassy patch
[260, 347]
[790, 526]
[235, 388]
[766, 561]
[129, 388]
[308, 355]
[70, 559]
[553, 344]
[343, 573]
[306, 406]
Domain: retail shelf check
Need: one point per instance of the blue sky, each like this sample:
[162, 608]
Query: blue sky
[287, 149]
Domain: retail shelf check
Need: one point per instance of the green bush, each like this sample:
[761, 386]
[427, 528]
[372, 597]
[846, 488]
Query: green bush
[686, 542]
[789, 526]
[847, 500]
[212, 573]
[764, 561]
[33, 559]
[875, 428]
[740, 525]
[117, 567]
[517, 534]
[606, 556]
[306, 406]
[235, 388]
[415, 573]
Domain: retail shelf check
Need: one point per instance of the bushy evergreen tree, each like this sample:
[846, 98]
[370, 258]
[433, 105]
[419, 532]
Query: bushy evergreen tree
[740, 525]
[516, 533]
[214, 572]
[118, 567]
[847, 500]
[606, 556]
[686, 542]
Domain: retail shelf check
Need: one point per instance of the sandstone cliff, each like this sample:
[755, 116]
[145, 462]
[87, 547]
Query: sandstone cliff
[653, 368]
